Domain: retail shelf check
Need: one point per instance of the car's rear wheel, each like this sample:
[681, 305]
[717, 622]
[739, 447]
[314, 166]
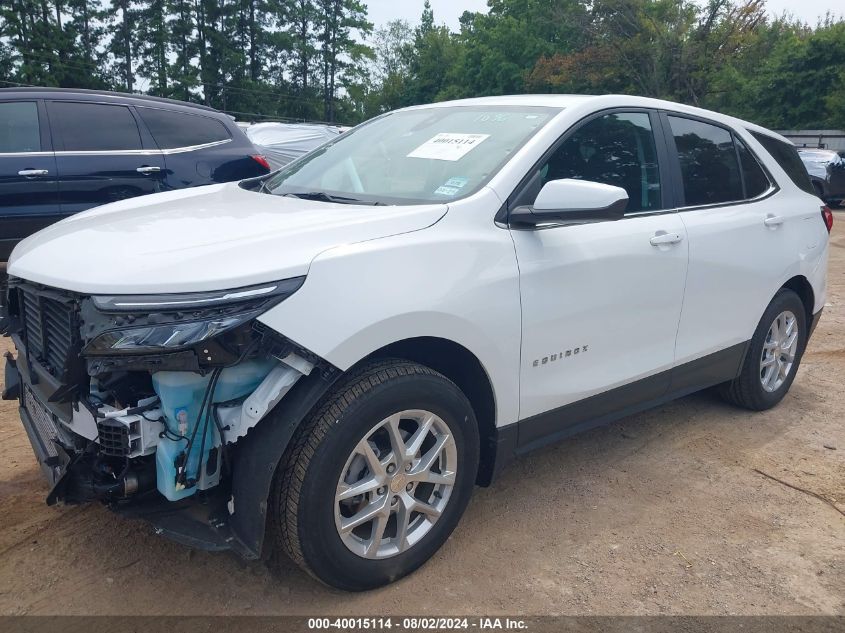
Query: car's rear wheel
[773, 355]
[378, 477]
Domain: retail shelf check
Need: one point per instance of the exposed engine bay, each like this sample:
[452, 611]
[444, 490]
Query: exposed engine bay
[126, 398]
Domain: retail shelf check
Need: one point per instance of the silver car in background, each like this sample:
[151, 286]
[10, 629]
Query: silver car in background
[827, 171]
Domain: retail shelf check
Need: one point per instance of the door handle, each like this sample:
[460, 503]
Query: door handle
[147, 169]
[661, 239]
[773, 220]
[31, 173]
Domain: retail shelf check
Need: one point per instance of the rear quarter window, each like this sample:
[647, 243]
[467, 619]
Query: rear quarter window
[172, 130]
[787, 157]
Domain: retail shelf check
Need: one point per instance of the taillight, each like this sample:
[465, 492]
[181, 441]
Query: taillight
[258, 158]
[827, 216]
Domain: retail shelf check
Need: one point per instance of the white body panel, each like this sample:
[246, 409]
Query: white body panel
[602, 287]
[457, 280]
[381, 274]
[207, 238]
[738, 261]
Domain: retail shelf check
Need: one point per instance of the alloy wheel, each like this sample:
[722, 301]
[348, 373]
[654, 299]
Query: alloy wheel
[395, 484]
[779, 350]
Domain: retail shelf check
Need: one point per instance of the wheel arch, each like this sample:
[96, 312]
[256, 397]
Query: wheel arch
[801, 286]
[462, 367]
[257, 455]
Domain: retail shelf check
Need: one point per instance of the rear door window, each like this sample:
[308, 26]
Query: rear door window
[709, 163]
[787, 157]
[19, 130]
[85, 127]
[177, 129]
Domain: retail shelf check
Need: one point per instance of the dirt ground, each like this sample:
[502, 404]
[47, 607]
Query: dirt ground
[662, 513]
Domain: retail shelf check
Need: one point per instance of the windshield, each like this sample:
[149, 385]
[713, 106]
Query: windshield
[413, 156]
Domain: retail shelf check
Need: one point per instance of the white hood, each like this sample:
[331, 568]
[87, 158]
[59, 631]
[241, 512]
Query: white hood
[207, 238]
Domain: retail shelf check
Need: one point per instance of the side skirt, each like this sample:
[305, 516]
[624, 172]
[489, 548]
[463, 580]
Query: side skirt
[607, 407]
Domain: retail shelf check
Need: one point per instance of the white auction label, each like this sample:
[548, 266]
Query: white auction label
[448, 146]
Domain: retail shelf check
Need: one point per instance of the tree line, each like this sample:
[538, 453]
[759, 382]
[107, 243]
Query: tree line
[323, 60]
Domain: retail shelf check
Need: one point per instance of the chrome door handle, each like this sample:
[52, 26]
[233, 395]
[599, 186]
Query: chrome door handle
[148, 170]
[31, 173]
[773, 220]
[666, 238]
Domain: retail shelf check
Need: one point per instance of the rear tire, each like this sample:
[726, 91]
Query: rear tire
[357, 456]
[772, 359]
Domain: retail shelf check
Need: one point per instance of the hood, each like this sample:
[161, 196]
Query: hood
[207, 238]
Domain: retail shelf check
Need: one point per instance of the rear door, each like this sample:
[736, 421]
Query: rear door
[742, 239]
[100, 154]
[29, 198]
[198, 149]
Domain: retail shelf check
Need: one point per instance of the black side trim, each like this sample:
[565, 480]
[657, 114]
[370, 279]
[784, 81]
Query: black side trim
[816, 318]
[12, 381]
[257, 455]
[582, 415]
[710, 370]
[607, 407]
[504, 443]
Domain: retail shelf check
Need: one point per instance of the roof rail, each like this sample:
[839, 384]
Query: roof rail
[110, 93]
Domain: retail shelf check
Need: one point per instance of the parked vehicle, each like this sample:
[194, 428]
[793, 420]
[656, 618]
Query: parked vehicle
[827, 173]
[282, 143]
[63, 151]
[342, 350]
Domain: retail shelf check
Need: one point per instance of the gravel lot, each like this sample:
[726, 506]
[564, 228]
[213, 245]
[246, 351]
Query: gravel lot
[661, 513]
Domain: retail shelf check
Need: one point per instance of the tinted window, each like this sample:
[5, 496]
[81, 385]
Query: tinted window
[616, 149]
[787, 157]
[176, 129]
[709, 166]
[83, 127]
[755, 179]
[19, 131]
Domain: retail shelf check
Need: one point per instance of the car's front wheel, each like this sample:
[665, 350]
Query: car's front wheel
[378, 477]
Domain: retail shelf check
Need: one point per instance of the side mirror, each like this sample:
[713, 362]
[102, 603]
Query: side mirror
[572, 201]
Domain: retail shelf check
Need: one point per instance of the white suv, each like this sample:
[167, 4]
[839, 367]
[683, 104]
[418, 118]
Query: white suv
[342, 350]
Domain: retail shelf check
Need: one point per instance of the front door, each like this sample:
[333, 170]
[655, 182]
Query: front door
[100, 155]
[29, 198]
[600, 301]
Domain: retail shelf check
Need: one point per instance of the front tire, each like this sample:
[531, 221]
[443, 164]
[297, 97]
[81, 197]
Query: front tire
[377, 477]
[773, 355]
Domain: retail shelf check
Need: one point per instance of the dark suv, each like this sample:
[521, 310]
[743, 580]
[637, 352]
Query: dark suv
[63, 151]
[827, 172]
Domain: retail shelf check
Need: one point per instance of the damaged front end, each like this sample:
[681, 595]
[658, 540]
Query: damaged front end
[140, 401]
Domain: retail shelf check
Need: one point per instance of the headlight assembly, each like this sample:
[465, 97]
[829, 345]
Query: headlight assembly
[168, 322]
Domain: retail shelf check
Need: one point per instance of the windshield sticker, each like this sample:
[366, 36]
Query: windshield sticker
[446, 191]
[448, 146]
[456, 182]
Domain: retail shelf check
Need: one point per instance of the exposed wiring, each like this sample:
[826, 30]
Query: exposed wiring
[182, 470]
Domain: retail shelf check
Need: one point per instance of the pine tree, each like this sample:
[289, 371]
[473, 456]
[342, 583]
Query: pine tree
[153, 36]
[338, 48]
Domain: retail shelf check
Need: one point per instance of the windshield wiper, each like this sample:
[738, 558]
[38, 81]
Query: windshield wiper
[325, 197]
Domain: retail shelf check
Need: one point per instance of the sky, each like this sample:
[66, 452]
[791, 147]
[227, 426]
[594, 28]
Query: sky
[448, 11]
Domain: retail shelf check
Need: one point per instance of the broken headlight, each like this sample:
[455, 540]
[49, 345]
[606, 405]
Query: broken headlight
[167, 322]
